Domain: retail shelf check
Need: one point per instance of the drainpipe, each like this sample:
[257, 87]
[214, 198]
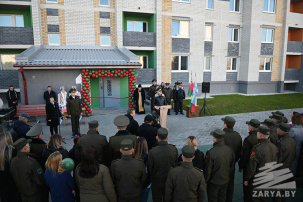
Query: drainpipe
[24, 85]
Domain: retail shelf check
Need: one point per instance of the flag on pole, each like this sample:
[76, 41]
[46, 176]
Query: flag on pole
[191, 87]
[193, 99]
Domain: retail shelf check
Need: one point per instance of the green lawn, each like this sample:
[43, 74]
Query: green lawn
[234, 104]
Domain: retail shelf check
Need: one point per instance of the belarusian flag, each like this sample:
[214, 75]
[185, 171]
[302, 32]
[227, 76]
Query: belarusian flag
[191, 88]
[193, 99]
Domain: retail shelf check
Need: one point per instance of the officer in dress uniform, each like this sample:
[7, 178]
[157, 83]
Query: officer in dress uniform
[28, 174]
[177, 187]
[128, 174]
[151, 92]
[168, 92]
[74, 110]
[159, 100]
[178, 97]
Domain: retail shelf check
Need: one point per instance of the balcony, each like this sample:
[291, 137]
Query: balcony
[139, 39]
[16, 36]
[294, 47]
[296, 6]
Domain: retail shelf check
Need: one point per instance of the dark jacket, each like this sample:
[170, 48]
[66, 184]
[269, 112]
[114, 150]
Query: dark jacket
[149, 133]
[114, 144]
[179, 95]
[49, 151]
[273, 136]
[128, 175]
[61, 186]
[287, 150]
[52, 113]
[37, 147]
[179, 189]
[198, 161]
[92, 138]
[21, 128]
[133, 125]
[168, 92]
[249, 142]
[262, 153]
[234, 141]
[23, 168]
[48, 95]
[12, 96]
[73, 106]
[151, 91]
[161, 160]
[219, 164]
[98, 188]
[160, 101]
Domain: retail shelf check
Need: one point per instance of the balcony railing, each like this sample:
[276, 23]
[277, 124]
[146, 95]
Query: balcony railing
[16, 36]
[139, 39]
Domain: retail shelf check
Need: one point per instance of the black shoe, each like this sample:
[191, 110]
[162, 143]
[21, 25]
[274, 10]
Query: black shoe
[176, 113]
[182, 113]
[168, 114]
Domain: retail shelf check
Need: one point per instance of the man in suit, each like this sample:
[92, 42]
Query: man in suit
[48, 94]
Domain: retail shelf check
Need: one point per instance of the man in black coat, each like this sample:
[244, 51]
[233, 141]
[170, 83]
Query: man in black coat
[21, 127]
[179, 95]
[49, 93]
[52, 115]
[12, 98]
[159, 100]
[151, 94]
[133, 125]
[148, 131]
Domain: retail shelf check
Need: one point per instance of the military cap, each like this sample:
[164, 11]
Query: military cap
[127, 144]
[284, 127]
[159, 89]
[20, 143]
[218, 133]
[35, 130]
[278, 112]
[25, 115]
[72, 90]
[148, 118]
[139, 85]
[179, 83]
[254, 123]
[121, 121]
[154, 80]
[162, 133]
[229, 121]
[93, 124]
[188, 151]
[167, 84]
[268, 122]
[264, 130]
[276, 116]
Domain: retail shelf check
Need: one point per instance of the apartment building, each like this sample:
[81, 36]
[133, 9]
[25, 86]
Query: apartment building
[239, 46]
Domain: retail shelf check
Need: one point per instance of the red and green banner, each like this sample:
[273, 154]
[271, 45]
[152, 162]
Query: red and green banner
[86, 89]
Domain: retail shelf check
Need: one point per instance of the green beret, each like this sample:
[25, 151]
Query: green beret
[284, 127]
[268, 122]
[127, 144]
[93, 124]
[188, 151]
[20, 143]
[121, 121]
[278, 112]
[229, 121]
[254, 123]
[35, 130]
[72, 90]
[276, 116]
[264, 130]
[162, 133]
[218, 133]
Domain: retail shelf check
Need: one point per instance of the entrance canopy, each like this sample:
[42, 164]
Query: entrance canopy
[76, 57]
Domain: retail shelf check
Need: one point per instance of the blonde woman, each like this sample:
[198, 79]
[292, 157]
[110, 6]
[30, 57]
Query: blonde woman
[198, 160]
[8, 189]
[55, 144]
[59, 180]
[62, 99]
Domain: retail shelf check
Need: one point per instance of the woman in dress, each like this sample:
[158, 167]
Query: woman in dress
[62, 99]
[52, 115]
[59, 180]
[93, 179]
[139, 96]
[55, 144]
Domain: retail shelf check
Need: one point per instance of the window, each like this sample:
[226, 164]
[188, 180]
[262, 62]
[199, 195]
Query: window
[231, 64]
[267, 35]
[234, 5]
[265, 64]
[180, 29]
[105, 40]
[269, 6]
[209, 4]
[207, 63]
[7, 62]
[179, 63]
[182, 0]
[51, 1]
[136, 26]
[208, 33]
[143, 59]
[11, 21]
[53, 39]
[233, 35]
[104, 2]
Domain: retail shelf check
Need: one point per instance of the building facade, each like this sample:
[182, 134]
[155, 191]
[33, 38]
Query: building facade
[238, 46]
